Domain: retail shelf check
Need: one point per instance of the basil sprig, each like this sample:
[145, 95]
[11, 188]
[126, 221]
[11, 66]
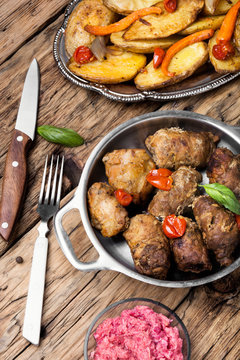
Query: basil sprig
[224, 196]
[62, 136]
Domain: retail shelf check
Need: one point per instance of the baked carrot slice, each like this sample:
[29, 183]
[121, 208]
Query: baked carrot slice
[226, 31]
[181, 44]
[123, 23]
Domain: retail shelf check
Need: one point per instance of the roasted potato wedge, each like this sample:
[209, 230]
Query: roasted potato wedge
[230, 65]
[204, 23]
[211, 5]
[126, 7]
[183, 64]
[236, 35]
[92, 12]
[165, 24]
[222, 7]
[118, 66]
[142, 46]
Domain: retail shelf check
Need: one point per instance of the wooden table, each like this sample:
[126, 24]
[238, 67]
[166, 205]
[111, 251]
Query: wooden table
[72, 298]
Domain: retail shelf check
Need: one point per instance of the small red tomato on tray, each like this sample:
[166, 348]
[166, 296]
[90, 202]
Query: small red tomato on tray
[83, 55]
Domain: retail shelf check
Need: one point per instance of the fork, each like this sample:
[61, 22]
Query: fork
[47, 207]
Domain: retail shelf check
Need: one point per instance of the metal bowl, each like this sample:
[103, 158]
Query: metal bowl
[115, 254]
[204, 79]
[116, 309]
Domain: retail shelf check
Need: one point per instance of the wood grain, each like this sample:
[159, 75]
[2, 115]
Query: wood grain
[73, 298]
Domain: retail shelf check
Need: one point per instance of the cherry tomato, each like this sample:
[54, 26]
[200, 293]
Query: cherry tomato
[238, 220]
[173, 226]
[223, 51]
[123, 197]
[160, 178]
[170, 5]
[158, 56]
[160, 172]
[83, 55]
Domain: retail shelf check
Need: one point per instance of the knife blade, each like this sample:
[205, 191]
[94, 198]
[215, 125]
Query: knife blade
[15, 171]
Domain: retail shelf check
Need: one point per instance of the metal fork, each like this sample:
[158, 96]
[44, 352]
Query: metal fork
[47, 207]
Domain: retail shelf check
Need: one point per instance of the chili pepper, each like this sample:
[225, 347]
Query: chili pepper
[226, 30]
[224, 48]
[181, 44]
[173, 226]
[160, 178]
[158, 56]
[83, 55]
[123, 23]
[123, 197]
[170, 5]
[223, 51]
[238, 220]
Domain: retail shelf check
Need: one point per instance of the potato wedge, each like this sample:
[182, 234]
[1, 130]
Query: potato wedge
[184, 63]
[126, 7]
[222, 7]
[142, 46]
[87, 12]
[165, 24]
[230, 65]
[236, 35]
[119, 66]
[211, 5]
[204, 23]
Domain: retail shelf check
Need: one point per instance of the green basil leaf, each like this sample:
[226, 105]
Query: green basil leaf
[224, 196]
[63, 136]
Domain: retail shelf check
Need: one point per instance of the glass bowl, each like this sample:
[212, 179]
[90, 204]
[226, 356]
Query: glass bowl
[115, 310]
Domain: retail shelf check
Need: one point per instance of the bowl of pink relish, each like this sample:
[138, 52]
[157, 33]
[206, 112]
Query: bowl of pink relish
[137, 329]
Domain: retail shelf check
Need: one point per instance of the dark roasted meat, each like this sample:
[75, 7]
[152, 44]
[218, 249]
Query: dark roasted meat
[219, 228]
[179, 197]
[149, 246]
[127, 169]
[174, 147]
[189, 251]
[224, 168]
[107, 215]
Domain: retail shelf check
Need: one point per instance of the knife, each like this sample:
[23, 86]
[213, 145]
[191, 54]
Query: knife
[15, 171]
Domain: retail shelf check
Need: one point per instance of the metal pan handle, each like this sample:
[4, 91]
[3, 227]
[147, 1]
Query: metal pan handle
[65, 242]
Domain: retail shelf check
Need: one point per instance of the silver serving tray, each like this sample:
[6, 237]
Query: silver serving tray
[203, 80]
[114, 253]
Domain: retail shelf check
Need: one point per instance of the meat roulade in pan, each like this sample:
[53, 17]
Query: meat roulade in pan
[174, 147]
[219, 228]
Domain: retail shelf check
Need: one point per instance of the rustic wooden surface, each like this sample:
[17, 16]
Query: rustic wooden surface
[72, 298]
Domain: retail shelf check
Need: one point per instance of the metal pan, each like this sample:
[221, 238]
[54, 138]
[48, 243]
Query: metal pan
[115, 254]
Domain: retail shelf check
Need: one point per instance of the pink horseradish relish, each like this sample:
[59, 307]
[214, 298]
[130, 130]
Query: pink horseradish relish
[138, 334]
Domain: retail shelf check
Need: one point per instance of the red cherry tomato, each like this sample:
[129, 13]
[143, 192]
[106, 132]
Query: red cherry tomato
[238, 220]
[158, 56]
[123, 197]
[170, 5]
[160, 178]
[83, 55]
[223, 51]
[173, 226]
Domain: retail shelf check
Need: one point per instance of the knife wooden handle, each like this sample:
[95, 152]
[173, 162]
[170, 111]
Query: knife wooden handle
[13, 186]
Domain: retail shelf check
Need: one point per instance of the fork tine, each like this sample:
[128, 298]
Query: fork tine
[46, 199]
[43, 181]
[54, 183]
[60, 183]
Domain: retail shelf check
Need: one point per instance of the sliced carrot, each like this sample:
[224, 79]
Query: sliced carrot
[226, 31]
[123, 23]
[181, 44]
